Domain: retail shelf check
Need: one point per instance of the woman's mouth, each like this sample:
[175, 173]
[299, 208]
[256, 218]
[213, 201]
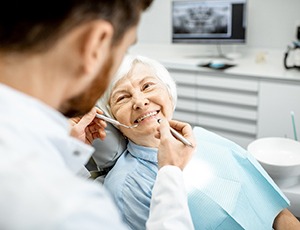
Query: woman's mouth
[150, 114]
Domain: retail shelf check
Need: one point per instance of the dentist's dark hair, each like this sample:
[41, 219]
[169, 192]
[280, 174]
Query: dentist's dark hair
[35, 26]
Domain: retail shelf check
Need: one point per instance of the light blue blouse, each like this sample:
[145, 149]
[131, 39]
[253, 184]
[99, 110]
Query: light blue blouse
[131, 181]
[238, 193]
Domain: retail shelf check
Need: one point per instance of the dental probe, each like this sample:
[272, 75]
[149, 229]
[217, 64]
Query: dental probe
[114, 122]
[179, 136]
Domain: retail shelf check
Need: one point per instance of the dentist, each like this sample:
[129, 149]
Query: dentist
[56, 60]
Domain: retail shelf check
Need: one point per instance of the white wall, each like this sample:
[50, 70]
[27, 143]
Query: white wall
[271, 23]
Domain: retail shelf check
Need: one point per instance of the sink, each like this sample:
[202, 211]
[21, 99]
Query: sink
[280, 157]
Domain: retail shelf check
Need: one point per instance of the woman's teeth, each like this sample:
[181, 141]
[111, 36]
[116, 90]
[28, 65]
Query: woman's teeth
[146, 116]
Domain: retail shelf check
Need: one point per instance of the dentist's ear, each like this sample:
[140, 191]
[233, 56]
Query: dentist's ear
[96, 45]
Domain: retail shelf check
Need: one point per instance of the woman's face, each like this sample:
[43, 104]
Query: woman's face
[141, 98]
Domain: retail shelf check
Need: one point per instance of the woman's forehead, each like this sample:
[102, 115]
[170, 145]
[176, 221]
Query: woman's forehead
[139, 71]
[136, 75]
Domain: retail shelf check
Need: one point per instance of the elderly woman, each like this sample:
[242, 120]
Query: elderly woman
[227, 188]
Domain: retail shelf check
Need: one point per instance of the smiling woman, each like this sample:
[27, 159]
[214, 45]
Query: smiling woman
[222, 180]
[141, 93]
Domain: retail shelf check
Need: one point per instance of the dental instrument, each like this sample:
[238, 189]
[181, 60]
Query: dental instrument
[178, 136]
[173, 131]
[114, 122]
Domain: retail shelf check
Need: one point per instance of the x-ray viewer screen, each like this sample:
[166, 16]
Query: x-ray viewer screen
[209, 21]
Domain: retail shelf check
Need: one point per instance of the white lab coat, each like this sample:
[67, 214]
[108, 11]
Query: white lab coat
[169, 208]
[39, 187]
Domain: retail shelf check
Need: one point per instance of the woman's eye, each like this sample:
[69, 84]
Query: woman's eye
[147, 85]
[120, 98]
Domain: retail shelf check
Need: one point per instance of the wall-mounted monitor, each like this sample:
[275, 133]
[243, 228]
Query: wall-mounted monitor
[209, 21]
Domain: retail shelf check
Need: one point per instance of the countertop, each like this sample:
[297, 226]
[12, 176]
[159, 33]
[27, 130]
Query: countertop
[258, 63]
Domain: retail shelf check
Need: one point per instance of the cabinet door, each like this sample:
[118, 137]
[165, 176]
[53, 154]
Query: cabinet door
[228, 106]
[276, 101]
[220, 103]
[186, 89]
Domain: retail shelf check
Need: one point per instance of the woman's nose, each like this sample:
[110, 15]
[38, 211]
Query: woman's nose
[140, 102]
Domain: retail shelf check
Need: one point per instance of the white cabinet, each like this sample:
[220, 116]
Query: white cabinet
[238, 107]
[218, 102]
[186, 109]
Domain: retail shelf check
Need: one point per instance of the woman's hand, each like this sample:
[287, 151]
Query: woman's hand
[172, 151]
[88, 127]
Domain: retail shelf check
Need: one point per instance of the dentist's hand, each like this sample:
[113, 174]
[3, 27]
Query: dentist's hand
[285, 220]
[172, 151]
[88, 127]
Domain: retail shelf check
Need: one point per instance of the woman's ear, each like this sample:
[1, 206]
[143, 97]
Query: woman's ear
[96, 45]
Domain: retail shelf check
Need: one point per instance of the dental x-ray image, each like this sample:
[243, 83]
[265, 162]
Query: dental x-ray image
[205, 19]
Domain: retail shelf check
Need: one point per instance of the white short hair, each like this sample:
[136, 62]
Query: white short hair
[127, 65]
